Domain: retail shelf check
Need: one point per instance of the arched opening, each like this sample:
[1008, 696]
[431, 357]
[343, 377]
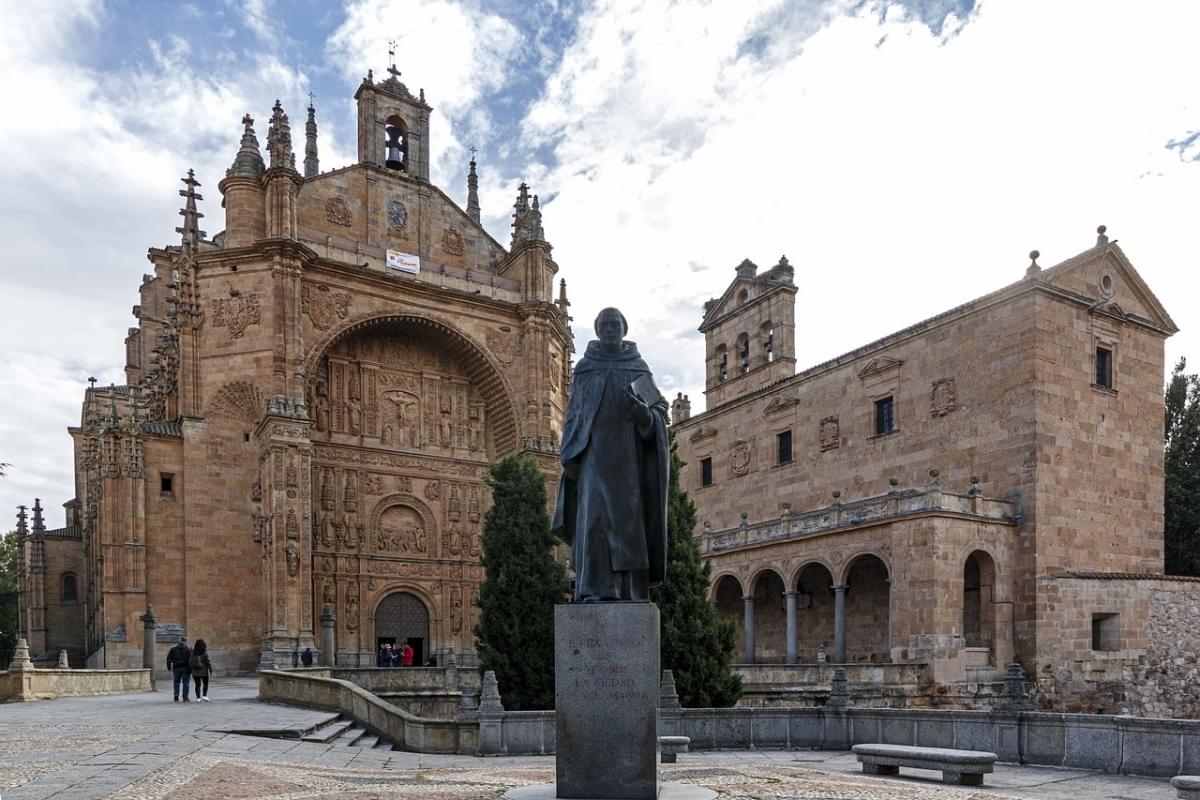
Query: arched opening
[814, 614]
[402, 617]
[766, 340]
[868, 611]
[727, 598]
[770, 619]
[395, 148]
[721, 360]
[979, 616]
[70, 589]
[743, 351]
[743, 296]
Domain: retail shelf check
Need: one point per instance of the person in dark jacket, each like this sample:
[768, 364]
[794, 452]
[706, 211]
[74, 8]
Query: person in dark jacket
[306, 658]
[201, 668]
[177, 661]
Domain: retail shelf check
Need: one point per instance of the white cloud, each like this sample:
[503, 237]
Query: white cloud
[901, 172]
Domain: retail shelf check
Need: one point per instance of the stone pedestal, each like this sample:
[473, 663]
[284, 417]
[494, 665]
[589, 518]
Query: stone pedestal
[605, 698]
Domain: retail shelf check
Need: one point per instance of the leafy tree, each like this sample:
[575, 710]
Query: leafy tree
[696, 644]
[1181, 462]
[8, 596]
[523, 582]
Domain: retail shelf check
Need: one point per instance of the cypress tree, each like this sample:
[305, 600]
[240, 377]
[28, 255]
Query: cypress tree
[515, 634]
[696, 644]
[1181, 466]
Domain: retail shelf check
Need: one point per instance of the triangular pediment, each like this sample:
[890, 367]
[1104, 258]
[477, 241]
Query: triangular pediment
[780, 403]
[877, 366]
[702, 434]
[1105, 276]
[727, 301]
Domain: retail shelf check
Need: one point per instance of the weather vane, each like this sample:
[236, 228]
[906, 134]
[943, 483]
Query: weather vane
[472, 152]
[310, 98]
[392, 58]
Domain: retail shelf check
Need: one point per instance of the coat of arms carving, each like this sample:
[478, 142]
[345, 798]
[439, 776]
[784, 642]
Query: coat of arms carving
[830, 434]
[452, 241]
[337, 211]
[942, 397]
[504, 344]
[397, 214]
[324, 306]
[740, 458]
[236, 312]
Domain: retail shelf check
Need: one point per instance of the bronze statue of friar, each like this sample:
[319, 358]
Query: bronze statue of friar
[612, 500]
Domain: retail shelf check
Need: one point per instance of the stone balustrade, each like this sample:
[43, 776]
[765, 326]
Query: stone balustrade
[883, 508]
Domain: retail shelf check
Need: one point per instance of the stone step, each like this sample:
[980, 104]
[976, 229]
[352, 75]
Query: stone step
[327, 733]
[368, 741]
[351, 736]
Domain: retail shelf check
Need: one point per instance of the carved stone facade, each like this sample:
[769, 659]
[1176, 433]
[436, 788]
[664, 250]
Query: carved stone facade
[303, 427]
[937, 480]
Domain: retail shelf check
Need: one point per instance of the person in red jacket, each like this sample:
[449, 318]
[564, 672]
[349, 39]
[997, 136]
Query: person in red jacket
[406, 655]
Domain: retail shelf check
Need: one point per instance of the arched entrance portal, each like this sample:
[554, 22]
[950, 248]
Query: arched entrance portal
[727, 598]
[402, 617]
[979, 615]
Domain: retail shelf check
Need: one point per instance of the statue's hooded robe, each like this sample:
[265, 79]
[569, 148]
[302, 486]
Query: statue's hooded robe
[613, 512]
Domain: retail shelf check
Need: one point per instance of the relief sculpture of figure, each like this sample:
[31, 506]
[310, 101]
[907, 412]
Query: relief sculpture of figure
[612, 500]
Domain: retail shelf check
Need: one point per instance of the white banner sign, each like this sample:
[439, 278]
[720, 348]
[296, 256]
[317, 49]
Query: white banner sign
[405, 262]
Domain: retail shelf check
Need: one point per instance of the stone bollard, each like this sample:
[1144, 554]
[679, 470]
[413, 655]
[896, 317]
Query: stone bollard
[450, 669]
[670, 710]
[149, 624]
[671, 746]
[1187, 786]
[20, 657]
[63, 661]
[1014, 697]
[328, 621]
[491, 717]
[839, 695]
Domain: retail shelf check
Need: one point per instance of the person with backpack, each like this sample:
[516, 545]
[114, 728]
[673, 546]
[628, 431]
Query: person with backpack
[177, 661]
[200, 668]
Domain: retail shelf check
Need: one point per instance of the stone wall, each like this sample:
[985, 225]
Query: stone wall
[46, 684]
[1146, 659]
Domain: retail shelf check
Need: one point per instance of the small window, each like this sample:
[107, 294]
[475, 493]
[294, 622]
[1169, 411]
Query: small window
[1104, 364]
[885, 416]
[70, 589]
[706, 472]
[1106, 632]
[783, 446]
[166, 483]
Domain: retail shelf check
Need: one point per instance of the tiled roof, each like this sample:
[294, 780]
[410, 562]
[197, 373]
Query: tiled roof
[1126, 576]
[164, 428]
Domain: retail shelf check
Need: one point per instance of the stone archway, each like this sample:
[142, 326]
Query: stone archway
[868, 610]
[727, 599]
[769, 618]
[979, 614]
[814, 613]
[402, 617]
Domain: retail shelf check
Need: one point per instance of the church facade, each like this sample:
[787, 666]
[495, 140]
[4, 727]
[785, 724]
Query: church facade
[313, 398]
[983, 487]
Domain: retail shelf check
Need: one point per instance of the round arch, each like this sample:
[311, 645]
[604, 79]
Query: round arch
[868, 608]
[428, 520]
[815, 561]
[760, 574]
[481, 367]
[716, 582]
[848, 563]
[978, 596]
[403, 616]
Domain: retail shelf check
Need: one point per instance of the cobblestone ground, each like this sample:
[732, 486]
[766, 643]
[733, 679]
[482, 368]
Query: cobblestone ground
[145, 747]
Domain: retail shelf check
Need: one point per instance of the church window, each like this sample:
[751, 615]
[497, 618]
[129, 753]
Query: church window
[783, 446]
[70, 589]
[742, 296]
[166, 483]
[706, 472]
[1104, 367]
[1106, 632]
[395, 149]
[885, 416]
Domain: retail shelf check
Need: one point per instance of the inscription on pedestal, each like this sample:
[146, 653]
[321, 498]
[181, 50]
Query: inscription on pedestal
[606, 694]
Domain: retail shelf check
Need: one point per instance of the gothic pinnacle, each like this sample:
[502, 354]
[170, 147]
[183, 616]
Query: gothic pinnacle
[311, 164]
[472, 190]
[248, 163]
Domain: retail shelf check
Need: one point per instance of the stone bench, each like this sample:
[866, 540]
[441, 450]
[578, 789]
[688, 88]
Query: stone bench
[671, 746]
[965, 767]
[1187, 786]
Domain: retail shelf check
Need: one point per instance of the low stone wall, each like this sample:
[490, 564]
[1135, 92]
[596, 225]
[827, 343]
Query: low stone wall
[20, 685]
[314, 689]
[434, 692]
[807, 685]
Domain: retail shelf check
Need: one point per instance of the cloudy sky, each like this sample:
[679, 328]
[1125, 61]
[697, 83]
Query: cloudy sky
[904, 155]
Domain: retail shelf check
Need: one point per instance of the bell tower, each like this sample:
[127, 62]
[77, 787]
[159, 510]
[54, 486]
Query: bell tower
[393, 125]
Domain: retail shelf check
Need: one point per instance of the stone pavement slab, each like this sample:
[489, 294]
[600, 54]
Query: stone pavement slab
[145, 747]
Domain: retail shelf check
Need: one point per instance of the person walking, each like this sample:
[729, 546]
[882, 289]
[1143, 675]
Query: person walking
[200, 667]
[406, 655]
[177, 661]
[306, 658]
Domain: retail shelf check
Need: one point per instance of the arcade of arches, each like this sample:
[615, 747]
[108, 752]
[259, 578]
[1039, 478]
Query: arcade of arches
[863, 609]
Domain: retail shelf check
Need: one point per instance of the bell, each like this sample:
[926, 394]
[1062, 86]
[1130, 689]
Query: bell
[394, 149]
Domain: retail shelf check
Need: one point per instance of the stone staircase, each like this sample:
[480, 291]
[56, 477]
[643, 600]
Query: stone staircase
[346, 733]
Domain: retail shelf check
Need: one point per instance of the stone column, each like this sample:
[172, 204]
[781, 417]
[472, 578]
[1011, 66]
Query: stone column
[328, 622]
[20, 657]
[491, 717]
[791, 626]
[748, 623]
[839, 624]
[149, 625]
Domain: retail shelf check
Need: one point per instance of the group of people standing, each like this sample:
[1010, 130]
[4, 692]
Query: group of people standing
[189, 664]
[389, 656]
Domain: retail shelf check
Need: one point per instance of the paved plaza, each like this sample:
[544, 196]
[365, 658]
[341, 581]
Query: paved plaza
[146, 747]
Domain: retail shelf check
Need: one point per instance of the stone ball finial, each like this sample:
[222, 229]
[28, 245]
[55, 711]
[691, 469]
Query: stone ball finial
[894, 482]
[974, 479]
[837, 493]
[1102, 229]
[1033, 268]
[1034, 255]
[933, 473]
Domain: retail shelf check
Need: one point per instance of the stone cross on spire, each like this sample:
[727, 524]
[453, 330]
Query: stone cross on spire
[248, 162]
[472, 190]
[395, 73]
[190, 230]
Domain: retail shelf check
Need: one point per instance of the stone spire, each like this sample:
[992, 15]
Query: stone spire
[563, 302]
[472, 190]
[39, 526]
[527, 218]
[248, 162]
[311, 165]
[190, 230]
[22, 522]
[279, 139]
